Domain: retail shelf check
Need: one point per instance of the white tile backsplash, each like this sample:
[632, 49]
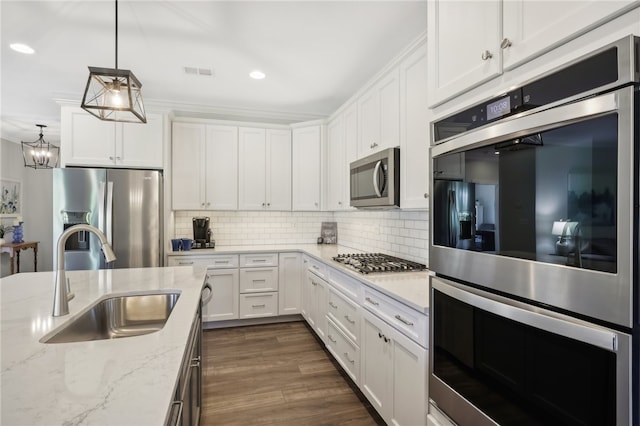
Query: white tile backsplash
[398, 233]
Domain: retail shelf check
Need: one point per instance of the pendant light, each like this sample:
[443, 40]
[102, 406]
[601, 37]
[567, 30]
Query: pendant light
[113, 94]
[40, 154]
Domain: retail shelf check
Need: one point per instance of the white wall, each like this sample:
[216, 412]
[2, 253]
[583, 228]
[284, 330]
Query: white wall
[398, 233]
[36, 208]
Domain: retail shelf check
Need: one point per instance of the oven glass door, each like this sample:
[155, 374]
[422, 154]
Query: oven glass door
[521, 368]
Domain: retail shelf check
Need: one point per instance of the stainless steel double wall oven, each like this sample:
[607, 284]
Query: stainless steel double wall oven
[534, 246]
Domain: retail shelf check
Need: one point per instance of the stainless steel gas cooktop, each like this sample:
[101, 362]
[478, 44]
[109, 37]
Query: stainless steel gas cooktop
[377, 262]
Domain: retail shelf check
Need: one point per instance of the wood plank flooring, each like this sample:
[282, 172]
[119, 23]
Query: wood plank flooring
[277, 374]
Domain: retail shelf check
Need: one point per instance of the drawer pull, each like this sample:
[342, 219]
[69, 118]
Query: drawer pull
[315, 267]
[258, 295]
[349, 319]
[333, 305]
[313, 282]
[332, 339]
[402, 320]
[259, 281]
[221, 261]
[259, 306]
[259, 260]
[346, 355]
[373, 302]
[185, 263]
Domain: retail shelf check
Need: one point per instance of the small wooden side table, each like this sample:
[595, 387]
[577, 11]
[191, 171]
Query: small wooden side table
[14, 251]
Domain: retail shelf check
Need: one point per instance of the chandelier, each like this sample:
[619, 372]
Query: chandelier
[40, 154]
[113, 94]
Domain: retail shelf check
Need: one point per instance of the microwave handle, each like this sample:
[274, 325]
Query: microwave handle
[376, 171]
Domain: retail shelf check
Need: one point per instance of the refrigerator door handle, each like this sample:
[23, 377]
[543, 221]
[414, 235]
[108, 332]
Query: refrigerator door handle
[109, 213]
[101, 195]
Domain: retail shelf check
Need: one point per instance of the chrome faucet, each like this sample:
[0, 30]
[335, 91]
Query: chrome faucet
[62, 293]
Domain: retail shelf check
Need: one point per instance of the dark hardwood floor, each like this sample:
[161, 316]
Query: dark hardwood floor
[276, 374]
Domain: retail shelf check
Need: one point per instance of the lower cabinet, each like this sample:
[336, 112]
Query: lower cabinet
[258, 285]
[315, 303]
[256, 305]
[290, 281]
[394, 373]
[343, 350]
[225, 290]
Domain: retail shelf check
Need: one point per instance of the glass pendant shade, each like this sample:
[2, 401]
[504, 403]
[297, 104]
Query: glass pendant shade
[40, 154]
[114, 95]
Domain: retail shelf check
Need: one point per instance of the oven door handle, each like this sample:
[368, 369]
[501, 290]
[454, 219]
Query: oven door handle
[530, 315]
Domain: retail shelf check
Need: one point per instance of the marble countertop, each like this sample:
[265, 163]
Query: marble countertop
[410, 288]
[127, 381]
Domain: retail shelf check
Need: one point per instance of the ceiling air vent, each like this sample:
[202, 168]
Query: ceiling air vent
[207, 72]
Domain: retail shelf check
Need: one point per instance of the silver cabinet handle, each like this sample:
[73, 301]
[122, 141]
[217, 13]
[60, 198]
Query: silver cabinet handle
[486, 55]
[259, 306]
[349, 319]
[315, 267]
[505, 43]
[346, 355]
[259, 260]
[331, 338]
[399, 318]
[220, 261]
[185, 263]
[373, 302]
[333, 305]
[179, 415]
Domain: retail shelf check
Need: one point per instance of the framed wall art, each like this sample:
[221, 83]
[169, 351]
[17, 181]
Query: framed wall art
[10, 198]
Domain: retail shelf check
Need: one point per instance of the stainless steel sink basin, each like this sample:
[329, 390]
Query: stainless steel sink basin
[116, 317]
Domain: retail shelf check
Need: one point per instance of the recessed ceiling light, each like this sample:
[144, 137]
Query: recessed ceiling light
[22, 48]
[257, 75]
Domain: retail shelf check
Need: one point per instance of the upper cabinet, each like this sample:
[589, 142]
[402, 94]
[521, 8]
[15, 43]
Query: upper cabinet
[88, 141]
[264, 174]
[205, 167]
[379, 115]
[500, 35]
[414, 131]
[342, 141]
[306, 168]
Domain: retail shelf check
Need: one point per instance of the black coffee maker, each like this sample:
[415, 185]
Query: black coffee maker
[202, 233]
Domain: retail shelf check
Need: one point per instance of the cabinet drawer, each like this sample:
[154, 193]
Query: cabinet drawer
[345, 313]
[216, 261]
[408, 321]
[257, 260]
[318, 268]
[347, 285]
[258, 305]
[256, 280]
[344, 351]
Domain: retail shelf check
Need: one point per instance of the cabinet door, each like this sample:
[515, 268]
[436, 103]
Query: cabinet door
[278, 190]
[389, 110]
[376, 373]
[414, 131]
[310, 305]
[251, 169]
[188, 171]
[86, 140]
[290, 283]
[368, 124]
[141, 145]
[463, 39]
[221, 167]
[336, 154]
[409, 390]
[306, 168]
[531, 28]
[322, 301]
[225, 298]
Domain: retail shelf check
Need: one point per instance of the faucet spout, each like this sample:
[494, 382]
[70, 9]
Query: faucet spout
[61, 294]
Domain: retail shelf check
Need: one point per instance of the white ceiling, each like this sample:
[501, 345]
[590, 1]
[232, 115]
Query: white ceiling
[316, 54]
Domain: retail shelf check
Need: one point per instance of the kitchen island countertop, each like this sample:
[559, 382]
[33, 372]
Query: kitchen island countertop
[127, 381]
[410, 288]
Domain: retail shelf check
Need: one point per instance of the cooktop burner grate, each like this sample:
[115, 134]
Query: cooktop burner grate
[377, 262]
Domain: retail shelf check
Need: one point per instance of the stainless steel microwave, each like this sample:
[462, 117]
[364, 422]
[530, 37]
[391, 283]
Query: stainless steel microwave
[375, 180]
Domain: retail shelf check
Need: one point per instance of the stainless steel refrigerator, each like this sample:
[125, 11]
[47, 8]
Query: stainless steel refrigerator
[454, 213]
[124, 204]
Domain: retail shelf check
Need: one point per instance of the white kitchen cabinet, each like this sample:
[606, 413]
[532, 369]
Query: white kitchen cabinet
[393, 373]
[341, 151]
[290, 283]
[264, 169]
[88, 141]
[500, 35]
[344, 351]
[258, 285]
[258, 305]
[414, 131]
[379, 115]
[205, 167]
[257, 280]
[306, 168]
[315, 303]
[225, 298]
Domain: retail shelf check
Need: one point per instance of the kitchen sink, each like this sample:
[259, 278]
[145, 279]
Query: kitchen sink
[116, 317]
